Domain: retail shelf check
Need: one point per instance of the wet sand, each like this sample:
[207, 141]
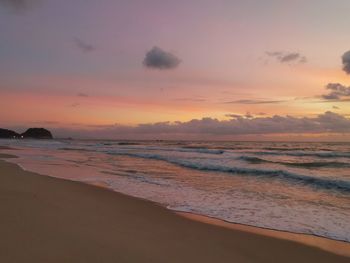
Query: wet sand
[45, 219]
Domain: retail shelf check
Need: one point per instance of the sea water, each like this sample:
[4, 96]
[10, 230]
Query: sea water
[296, 187]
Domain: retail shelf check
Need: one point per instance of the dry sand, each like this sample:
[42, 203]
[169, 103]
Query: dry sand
[44, 219]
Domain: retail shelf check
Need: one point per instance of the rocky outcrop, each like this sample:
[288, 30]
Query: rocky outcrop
[37, 133]
[32, 133]
[7, 134]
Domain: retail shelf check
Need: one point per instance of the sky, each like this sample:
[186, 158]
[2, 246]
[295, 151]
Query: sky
[194, 69]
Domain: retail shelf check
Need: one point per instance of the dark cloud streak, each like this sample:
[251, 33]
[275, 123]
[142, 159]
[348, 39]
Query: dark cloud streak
[254, 101]
[337, 92]
[287, 57]
[346, 62]
[157, 58]
[83, 46]
[84, 95]
[18, 6]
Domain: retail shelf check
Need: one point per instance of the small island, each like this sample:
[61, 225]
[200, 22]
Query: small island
[31, 133]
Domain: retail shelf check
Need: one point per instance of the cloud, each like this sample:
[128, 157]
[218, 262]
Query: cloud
[287, 57]
[199, 99]
[234, 116]
[74, 105]
[84, 95]
[157, 58]
[346, 62]
[248, 115]
[83, 46]
[18, 5]
[326, 123]
[337, 91]
[254, 101]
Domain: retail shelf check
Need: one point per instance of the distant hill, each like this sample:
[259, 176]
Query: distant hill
[37, 133]
[32, 133]
[6, 134]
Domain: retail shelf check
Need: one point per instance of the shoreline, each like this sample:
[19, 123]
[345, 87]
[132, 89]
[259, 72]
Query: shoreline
[338, 247]
[311, 242]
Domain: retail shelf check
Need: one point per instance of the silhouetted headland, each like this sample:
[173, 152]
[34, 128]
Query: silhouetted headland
[31, 133]
[4, 133]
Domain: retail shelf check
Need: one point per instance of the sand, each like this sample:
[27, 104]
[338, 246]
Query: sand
[44, 219]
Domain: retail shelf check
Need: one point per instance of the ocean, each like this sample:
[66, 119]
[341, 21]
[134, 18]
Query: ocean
[288, 186]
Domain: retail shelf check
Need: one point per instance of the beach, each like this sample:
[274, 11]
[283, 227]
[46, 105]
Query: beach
[174, 131]
[45, 219]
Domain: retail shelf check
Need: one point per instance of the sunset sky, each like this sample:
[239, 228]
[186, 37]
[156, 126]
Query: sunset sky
[203, 69]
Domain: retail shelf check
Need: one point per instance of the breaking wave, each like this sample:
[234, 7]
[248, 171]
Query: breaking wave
[256, 160]
[323, 183]
[311, 154]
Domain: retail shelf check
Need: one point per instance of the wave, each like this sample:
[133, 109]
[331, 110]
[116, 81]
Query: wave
[202, 150]
[284, 149]
[217, 147]
[168, 149]
[311, 154]
[289, 149]
[128, 143]
[256, 160]
[195, 150]
[76, 149]
[323, 183]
